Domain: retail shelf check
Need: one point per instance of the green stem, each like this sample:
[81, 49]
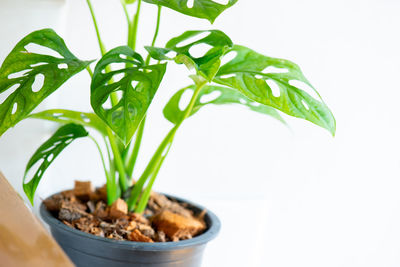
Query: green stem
[118, 161]
[103, 51]
[112, 190]
[101, 45]
[134, 28]
[138, 140]
[128, 20]
[136, 147]
[155, 33]
[89, 70]
[101, 156]
[159, 156]
[147, 192]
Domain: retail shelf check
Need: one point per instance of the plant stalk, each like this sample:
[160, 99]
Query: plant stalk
[158, 158]
[134, 28]
[103, 51]
[139, 135]
[118, 161]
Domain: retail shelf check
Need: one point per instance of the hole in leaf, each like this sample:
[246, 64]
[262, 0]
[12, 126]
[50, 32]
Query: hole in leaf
[38, 64]
[107, 104]
[171, 54]
[85, 118]
[305, 87]
[18, 74]
[276, 91]
[42, 50]
[210, 97]
[50, 157]
[185, 99]
[255, 104]
[134, 84]
[228, 57]
[193, 39]
[190, 3]
[258, 76]
[70, 135]
[122, 56]
[243, 101]
[305, 104]
[38, 83]
[14, 108]
[8, 92]
[57, 115]
[199, 50]
[117, 66]
[272, 69]
[221, 2]
[227, 76]
[32, 171]
[68, 141]
[118, 76]
[119, 93]
[62, 66]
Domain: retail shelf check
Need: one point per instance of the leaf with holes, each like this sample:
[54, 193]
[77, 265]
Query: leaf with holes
[64, 116]
[29, 77]
[137, 82]
[216, 95]
[47, 153]
[277, 83]
[201, 50]
[204, 9]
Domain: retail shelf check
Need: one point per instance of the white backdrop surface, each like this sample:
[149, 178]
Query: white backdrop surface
[286, 196]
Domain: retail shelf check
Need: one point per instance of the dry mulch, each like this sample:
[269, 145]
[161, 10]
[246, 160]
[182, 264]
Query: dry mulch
[86, 209]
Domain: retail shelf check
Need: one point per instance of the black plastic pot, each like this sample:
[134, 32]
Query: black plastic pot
[89, 250]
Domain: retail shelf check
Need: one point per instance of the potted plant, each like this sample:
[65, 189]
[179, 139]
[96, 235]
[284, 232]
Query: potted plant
[125, 222]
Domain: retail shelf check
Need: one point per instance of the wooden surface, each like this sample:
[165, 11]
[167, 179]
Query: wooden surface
[23, 239]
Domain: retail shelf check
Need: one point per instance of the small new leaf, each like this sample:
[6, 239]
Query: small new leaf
[47, 153]
[137, 84]
[277, 83]
[216, 95]
[204, 9]
[207, 63]
[34, 76]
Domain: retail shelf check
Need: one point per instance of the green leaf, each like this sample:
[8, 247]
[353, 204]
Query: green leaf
[207, 63]
[216, 95]
[137, 83]
[34, 76]
[64, 116]
[277, 83]
[47, 153]
[204, 9]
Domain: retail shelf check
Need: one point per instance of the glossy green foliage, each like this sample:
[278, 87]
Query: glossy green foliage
[64, 116]
[277, 83]
[183, 47]
[137, 84]
[29, 77]
[205, 9]
[216, 95]
[47, 153]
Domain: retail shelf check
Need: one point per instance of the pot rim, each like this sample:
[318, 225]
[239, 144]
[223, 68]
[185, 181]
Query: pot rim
[214, 226]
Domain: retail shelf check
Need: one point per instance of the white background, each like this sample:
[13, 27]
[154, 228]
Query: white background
[286, 196]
